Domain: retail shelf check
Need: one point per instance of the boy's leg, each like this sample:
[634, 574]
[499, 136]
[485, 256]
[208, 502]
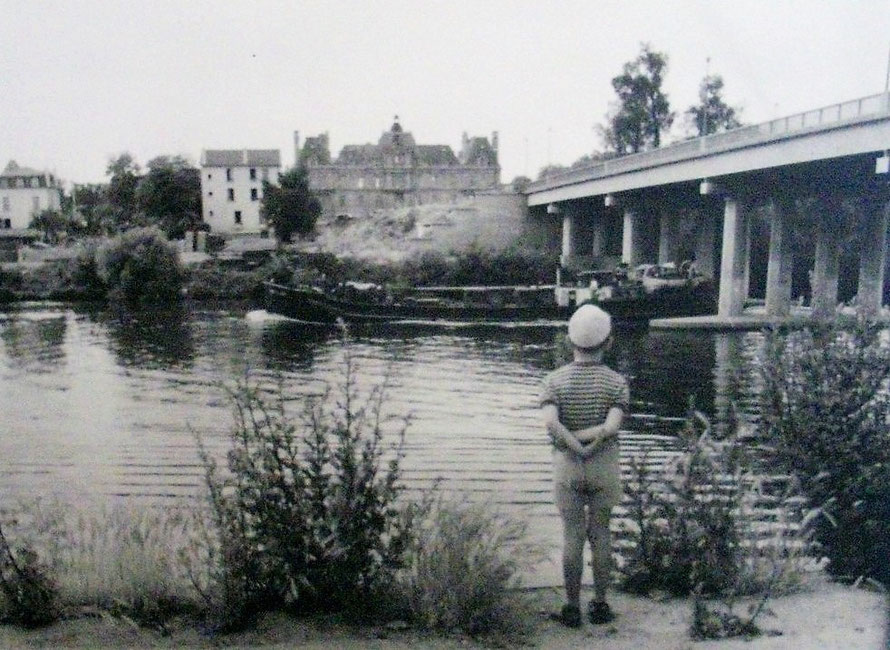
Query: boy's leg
[601, 548]
[571, 510]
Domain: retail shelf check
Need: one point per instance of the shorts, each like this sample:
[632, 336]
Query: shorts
[595, 482]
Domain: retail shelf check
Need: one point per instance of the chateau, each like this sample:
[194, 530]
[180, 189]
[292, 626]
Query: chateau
[397, 172]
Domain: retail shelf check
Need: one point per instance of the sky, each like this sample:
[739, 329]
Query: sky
[82, 81]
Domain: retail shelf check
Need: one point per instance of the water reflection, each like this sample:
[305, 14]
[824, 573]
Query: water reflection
[34, 341]
[158, 338]
[122, 410]
[736, 379]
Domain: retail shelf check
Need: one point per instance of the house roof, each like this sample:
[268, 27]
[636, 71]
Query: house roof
[241, 158]
[12, 169]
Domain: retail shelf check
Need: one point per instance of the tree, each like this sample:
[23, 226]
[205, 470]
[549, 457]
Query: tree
[90, 205]
[643, 109]
[711, 114]
[290, 207]
[520, 184]
[51, 223]
[123, 172]
[170, 195]
[550, 170]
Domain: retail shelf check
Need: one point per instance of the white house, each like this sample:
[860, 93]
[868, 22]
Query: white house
[232, 187]
[24, 193]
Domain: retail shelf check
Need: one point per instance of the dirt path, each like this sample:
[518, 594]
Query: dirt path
[832, 617]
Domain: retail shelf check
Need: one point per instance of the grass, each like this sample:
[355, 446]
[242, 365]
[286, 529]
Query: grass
[465, 571]
[123, 559]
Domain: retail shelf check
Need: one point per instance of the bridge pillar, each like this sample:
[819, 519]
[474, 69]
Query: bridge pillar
[872, 257]
[778, 272]
[632, 238]
[736, 257]
[826, 265]
[668, 246]
[706, 228]
[598, 246]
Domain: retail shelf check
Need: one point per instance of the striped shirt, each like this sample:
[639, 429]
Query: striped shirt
[584, 392]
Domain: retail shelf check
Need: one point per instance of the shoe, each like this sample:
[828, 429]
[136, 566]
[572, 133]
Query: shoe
[600, 613]
[570, 616]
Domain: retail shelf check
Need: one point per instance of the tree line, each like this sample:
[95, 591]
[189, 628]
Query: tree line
[167, 195]
[642, 114]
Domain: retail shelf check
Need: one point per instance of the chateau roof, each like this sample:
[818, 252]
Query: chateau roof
[436, 154]
[479, 150]
[241, 158]
[360, 154]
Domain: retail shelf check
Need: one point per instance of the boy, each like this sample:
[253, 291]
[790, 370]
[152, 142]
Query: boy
[583, 404]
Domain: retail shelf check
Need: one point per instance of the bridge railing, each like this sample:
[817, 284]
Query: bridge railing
[719, 142]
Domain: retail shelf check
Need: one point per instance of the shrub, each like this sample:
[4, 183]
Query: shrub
[140, 266]
[826, 406]
[464, 570]
[696, 530]
[29, 594]
[83, 273]
[307, 518]
[685, 532]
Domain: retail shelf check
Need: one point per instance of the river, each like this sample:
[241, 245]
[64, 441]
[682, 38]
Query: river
[103, 405]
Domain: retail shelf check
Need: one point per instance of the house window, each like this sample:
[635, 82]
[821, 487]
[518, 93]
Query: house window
[265, 173]
[361, 183]
[254, 194]
[238, 217]
[253, 173]
[7, 223]
[210, 214]
[231, 194]
[6, 204]
[229, 174]
[209, 176]
[36, 201]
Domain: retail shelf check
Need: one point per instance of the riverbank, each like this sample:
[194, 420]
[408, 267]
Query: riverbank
[830, 616]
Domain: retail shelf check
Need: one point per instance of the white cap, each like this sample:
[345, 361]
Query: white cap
[589, 326]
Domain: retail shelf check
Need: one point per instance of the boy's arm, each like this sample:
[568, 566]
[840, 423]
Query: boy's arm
[557, 430]
[595, 436]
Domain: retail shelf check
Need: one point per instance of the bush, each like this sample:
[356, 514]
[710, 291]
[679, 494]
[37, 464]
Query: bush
[686, 536]
[140, 266]
[307, 518]
[696, 530]
[29, 594]
[826, 406]
[464, 571]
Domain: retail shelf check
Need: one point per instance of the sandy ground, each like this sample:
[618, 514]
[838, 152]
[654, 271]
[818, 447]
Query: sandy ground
[827, 618]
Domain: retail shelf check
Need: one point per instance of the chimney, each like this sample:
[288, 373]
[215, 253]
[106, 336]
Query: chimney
[296, 148]
[494, 141]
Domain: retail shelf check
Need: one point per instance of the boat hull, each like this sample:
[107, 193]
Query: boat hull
[312, 306]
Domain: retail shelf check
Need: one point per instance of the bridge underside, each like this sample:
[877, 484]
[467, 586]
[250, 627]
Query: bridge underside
[812, 231]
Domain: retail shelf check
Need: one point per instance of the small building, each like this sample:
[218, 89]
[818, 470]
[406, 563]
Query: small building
[397, 172]
[232, 188]
[24, 193]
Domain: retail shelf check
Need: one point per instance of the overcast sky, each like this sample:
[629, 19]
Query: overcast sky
[84, 80]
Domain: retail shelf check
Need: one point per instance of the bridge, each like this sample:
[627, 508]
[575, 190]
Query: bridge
[808, 168]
